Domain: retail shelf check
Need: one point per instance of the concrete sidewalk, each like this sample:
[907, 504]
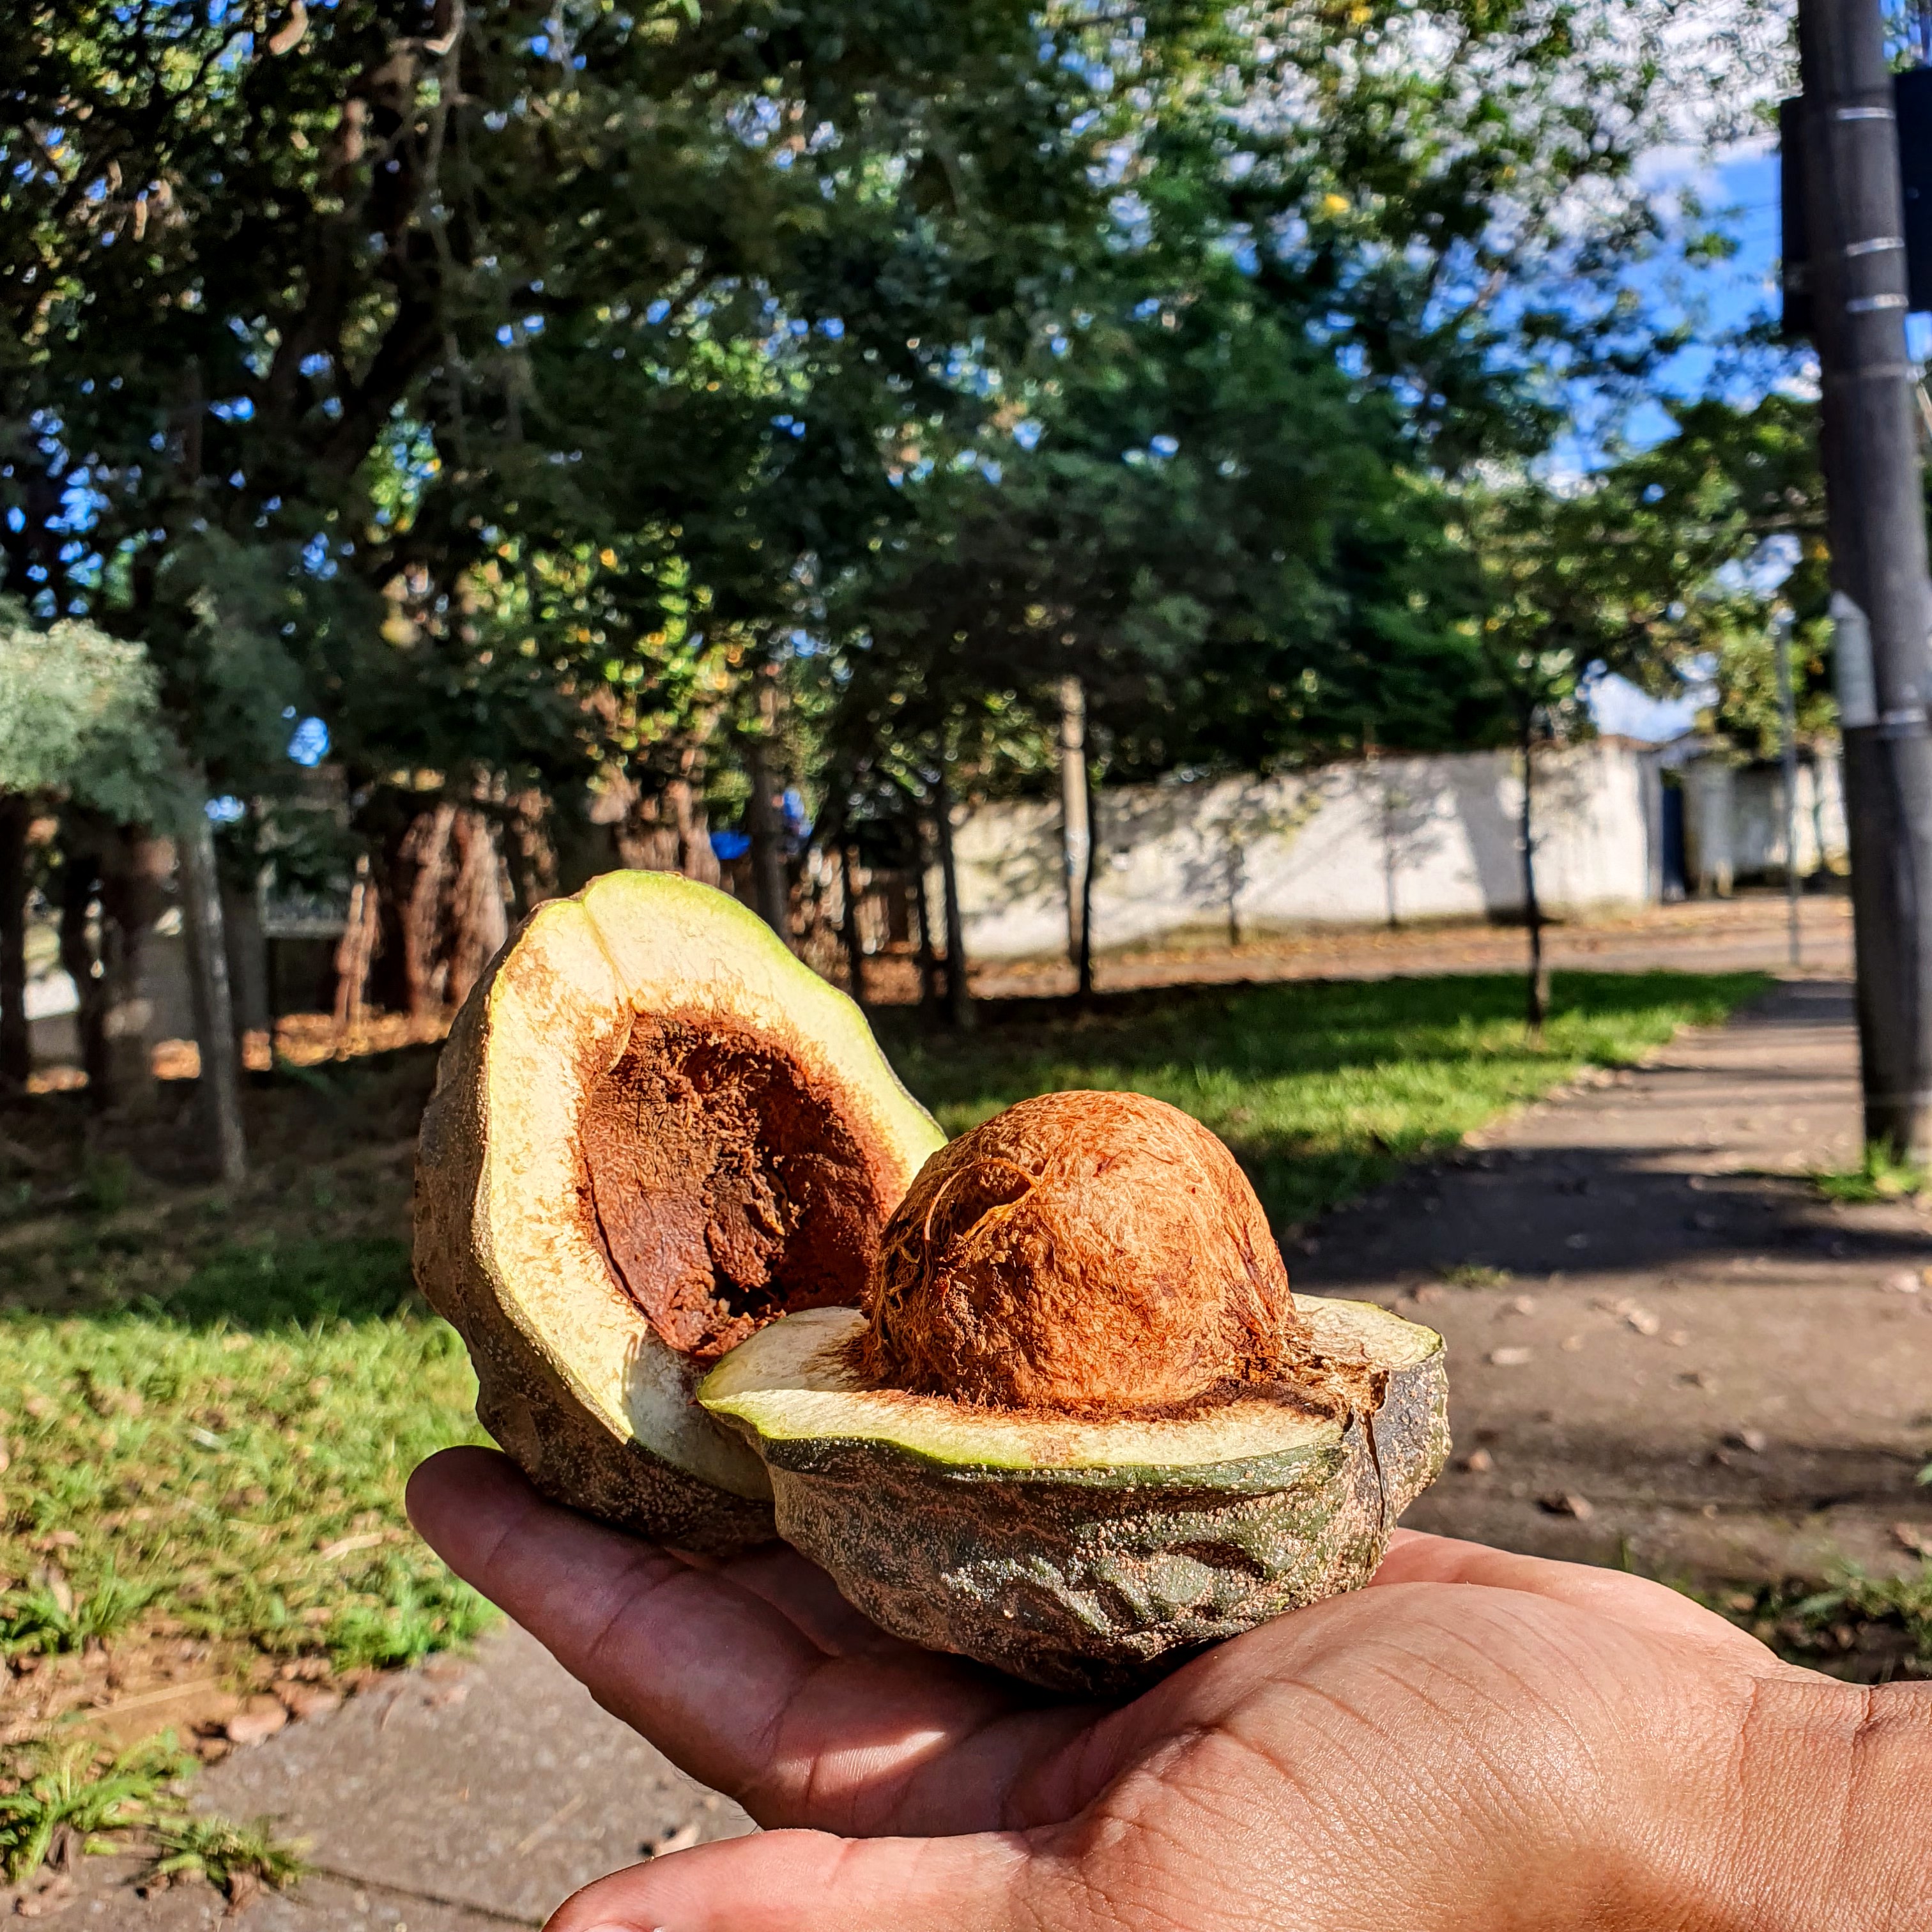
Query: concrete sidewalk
[1693, 1360]
[463, 1798]
[1647, 1310]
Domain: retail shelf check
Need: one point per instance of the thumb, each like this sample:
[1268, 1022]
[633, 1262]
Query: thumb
[813, 1881]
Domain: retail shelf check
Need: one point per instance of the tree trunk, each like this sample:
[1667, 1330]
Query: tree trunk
[848, 923]
[695, 858]
[531, 860]
[1084, 959]
[16, 1054]
[133, 867]
[478, 920]
[1076, 844]
[78, 961]
[766, 827]
[214, 1009]
[1536, 1004]
[423, 861]
[247, 961]
[355, 951]
[958, 993]
[928, 959]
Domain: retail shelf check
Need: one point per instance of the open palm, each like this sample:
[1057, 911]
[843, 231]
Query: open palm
[1478, 1740]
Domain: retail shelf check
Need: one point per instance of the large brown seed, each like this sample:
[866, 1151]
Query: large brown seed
[1086, 1253]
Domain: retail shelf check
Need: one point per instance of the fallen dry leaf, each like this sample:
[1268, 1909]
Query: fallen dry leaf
[1567, 1505]
[259, 1719]
[344, 1546]
[1916, 1537]
[309, 1700]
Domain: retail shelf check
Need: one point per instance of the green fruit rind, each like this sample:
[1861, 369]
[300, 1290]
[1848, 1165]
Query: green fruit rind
[572, 1381]
[1091, 1559]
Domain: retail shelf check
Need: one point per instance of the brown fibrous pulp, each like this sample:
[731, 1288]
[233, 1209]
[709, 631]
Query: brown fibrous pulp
[726, 1187]
[1092, 1254]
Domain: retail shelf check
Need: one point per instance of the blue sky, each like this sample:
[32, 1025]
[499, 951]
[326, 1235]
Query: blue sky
[1720, 298]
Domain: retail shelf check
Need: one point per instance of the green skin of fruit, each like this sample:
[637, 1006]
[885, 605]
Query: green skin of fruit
[1089, 1578]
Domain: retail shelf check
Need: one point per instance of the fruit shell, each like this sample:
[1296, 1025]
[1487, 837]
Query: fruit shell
[572, 1381]
[1085, 1576]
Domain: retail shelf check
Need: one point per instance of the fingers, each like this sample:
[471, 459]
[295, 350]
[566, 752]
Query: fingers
[808, 1881]
[1635, 1602]
[726, 1686]
[800, 1591]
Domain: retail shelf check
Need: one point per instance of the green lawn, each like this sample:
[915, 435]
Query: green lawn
[1321, 1089]
[208, 1420]
[231, 1458]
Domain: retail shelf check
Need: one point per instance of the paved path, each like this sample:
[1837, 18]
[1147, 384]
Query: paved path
[1720, 1364]
[1718, 1367]
[461, 1799]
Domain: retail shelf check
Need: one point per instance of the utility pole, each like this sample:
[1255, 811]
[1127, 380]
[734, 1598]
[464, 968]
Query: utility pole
[1882, 599]
[1787, 712]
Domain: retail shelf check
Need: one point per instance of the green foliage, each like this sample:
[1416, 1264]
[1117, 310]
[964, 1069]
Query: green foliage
[113, 1802]
[79, 718]
[73, 1784]
[1322, 1091]
[50, 1618]
[504, 384]
[1904, 1602]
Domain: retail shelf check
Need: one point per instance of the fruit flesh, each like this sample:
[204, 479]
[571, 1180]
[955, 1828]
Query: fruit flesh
[728, 1186]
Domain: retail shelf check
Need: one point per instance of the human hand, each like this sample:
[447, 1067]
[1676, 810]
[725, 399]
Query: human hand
[1477, 1740]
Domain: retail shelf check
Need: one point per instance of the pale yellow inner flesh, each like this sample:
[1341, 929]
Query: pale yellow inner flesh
[790, 1382]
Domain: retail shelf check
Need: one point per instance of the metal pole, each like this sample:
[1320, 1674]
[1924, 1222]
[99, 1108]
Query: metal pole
[1787, 706]
[1882, 599]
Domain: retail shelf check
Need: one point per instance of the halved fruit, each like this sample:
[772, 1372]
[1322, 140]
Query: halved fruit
[1090, 1556]
[654, 1131]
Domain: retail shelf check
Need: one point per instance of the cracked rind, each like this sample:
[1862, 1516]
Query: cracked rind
[1087, 1575]
[572, 1381]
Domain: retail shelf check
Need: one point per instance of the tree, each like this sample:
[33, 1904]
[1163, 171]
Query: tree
[80, 729]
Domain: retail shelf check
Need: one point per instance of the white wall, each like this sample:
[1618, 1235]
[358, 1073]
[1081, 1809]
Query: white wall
[1758, 818]
[1355, 844]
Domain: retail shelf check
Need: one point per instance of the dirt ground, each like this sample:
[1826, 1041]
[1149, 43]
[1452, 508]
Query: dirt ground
[1695, 936]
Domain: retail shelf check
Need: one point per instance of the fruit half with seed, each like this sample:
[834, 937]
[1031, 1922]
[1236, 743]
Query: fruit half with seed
[1081, 1429]
[654, 1133]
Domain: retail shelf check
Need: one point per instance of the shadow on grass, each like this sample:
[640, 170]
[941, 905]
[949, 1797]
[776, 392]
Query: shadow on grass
[294, 1285]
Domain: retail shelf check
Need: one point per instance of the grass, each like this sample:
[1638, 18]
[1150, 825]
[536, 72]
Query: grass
[233, 1455]
[1861, 1627]
[226, 1854]
[1321, 1089]
[75, 1788]
[72, 1795]
[1880, 1176]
